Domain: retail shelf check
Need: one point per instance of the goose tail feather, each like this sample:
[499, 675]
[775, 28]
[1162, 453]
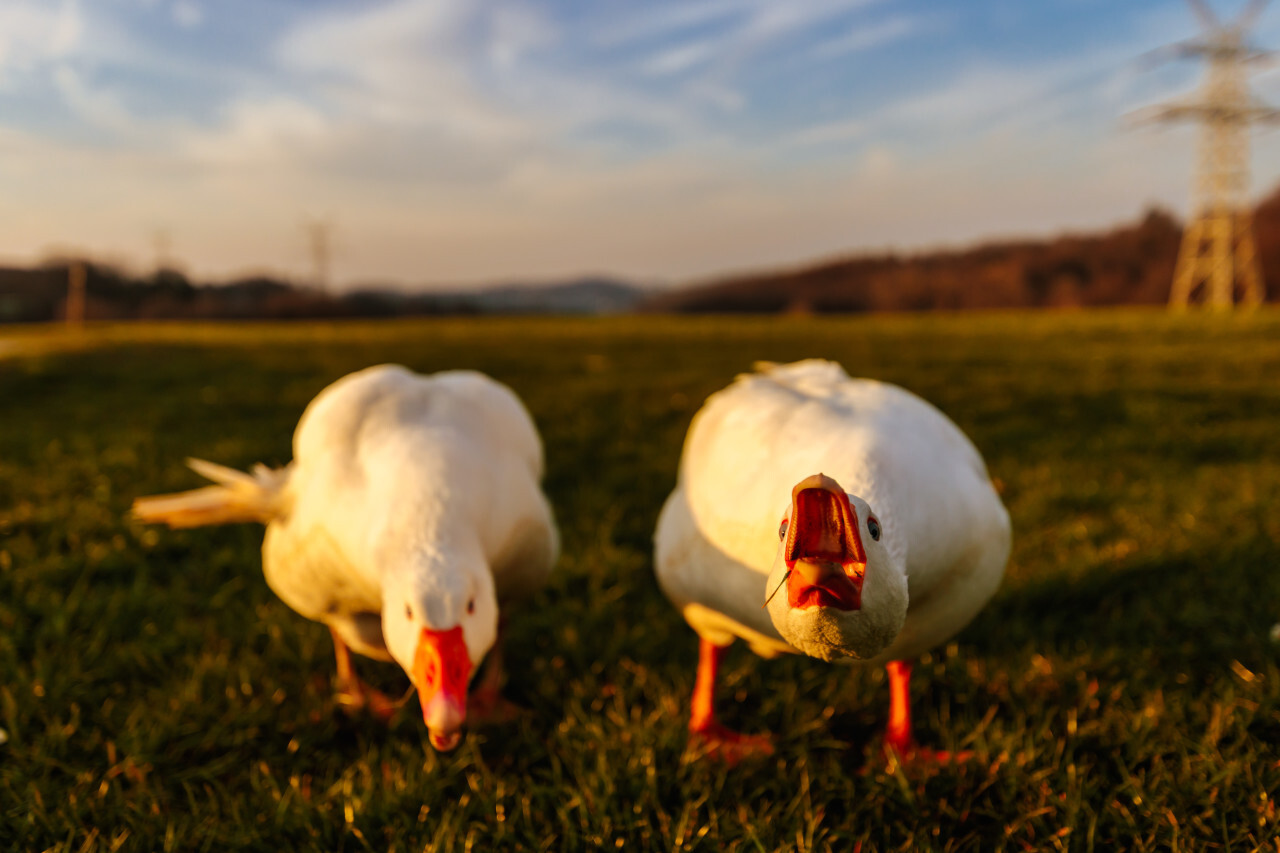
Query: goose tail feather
[238, 496]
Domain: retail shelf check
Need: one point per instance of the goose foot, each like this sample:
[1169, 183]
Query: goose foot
[353, 695]
[487, 706]
[706, 735]
[900, 747]
[911, 754]
[721, 743]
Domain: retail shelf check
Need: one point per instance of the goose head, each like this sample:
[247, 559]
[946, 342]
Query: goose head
[837, 591]
[438, 626]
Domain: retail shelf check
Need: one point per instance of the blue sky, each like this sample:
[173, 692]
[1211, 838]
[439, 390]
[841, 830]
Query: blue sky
[454, 141]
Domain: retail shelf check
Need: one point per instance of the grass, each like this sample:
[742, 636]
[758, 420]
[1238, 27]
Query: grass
[1121, 691]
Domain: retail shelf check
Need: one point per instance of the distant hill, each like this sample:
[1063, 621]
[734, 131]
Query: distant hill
[586, 296]
[40, 294]
[1131, 264]
[596, 295]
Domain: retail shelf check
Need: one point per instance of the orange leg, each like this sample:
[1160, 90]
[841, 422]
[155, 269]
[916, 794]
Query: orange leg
[718, 741]
[486, 703]
[897, 735]
[353, 694]
[898, 739]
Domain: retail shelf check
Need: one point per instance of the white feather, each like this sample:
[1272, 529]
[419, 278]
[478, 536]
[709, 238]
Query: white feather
[427, 484]
[717, 539]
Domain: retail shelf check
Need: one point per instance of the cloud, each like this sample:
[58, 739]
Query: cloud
[464, 80]
[879, 162]
[33, 34]
[403, 63]
[705, 58]
[265, 132]
[746, 30]
[679, 58]
[187, 14]
[500, 76]
[1040, 101]
[517, 32]
[865, 37]
[97, 108]
[474, 139]
[666, 19]
[832, 132]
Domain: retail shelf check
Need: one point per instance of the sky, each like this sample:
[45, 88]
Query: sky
[455, 142]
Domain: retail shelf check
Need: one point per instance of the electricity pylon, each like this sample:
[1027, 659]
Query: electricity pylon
[1218, 256]
[77, 277]
[318, 234]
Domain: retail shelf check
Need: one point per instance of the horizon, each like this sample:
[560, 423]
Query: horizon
[452, 144]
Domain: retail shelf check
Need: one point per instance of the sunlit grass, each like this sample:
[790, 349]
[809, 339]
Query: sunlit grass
[1121, 691]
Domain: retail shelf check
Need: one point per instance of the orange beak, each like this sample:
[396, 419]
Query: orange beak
[823, 550]
[441, 670]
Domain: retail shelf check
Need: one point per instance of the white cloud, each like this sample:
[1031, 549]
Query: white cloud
[515, 32]
[32, 34]
[755, 31]
[862, 38]
[479, 139]
[187, 14]
[493, 75]
[982, 100]
[879, 162]
[770, 21]
[658, 20]
[272, 132]
[832, 132]
[680, 58]
[403, 63]
[67, 30]
[97, 108]
[974, 96]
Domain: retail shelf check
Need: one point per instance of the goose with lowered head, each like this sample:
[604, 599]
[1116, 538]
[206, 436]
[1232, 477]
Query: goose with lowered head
[845, 519]
[410, 512]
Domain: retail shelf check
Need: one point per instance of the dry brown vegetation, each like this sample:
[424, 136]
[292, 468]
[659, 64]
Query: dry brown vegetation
[1128, 265]
[1131, 264]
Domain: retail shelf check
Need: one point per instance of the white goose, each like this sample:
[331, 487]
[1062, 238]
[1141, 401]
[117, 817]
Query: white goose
[866, 503]
[410, 510]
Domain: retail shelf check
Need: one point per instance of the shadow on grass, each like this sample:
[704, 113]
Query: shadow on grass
[1187, 614]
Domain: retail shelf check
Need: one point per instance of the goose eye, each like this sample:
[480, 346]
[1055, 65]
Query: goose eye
[408, 612]
[471, 606]
[874, 527]
[782, 528]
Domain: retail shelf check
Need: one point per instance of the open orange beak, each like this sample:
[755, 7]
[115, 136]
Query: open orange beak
[441, 671]
[823, 548]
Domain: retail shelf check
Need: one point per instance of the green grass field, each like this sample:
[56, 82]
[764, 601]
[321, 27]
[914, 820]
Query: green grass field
[1121, 691]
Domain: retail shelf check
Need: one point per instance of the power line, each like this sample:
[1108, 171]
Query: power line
[319, 234]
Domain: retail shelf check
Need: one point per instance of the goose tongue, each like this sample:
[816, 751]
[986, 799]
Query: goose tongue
[823, 549]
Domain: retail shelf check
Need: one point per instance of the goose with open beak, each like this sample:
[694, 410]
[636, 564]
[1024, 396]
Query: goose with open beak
[845, 519]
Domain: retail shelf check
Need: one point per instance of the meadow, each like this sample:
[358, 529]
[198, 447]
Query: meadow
[1121, 692]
